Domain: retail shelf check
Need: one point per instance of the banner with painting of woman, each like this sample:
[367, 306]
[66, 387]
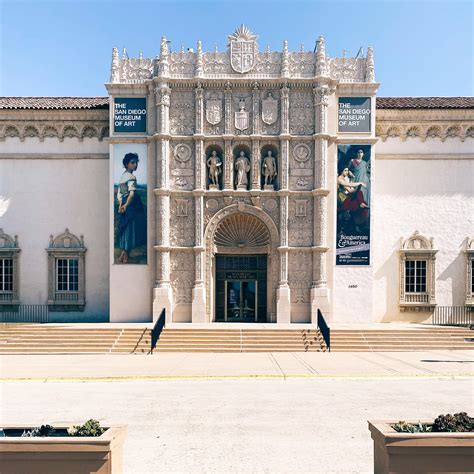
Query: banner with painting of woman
[353, 205]
[130, 203]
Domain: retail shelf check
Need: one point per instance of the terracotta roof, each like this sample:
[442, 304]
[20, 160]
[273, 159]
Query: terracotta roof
[425, 102]
[103, 102]
[54, 102]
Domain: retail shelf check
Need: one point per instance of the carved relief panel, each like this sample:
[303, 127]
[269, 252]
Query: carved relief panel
[242, 113]
[300, 276]
[270, 112]
[271, 207]
[182, 165]
[182, 113]
[182, 276]
[301, 165]
[211, 206]
[214, 113]
[301, 112]
[182, 222]
[300, 223]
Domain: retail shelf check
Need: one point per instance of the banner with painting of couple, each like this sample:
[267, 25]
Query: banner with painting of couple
[353, 205]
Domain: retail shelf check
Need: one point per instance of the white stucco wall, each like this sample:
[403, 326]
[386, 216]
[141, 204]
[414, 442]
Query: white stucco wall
[432, 195]
[48, 195]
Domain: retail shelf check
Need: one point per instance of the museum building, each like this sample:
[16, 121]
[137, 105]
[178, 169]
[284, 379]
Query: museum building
[238, 186]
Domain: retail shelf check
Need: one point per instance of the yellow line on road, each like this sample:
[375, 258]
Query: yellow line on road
[137, 378]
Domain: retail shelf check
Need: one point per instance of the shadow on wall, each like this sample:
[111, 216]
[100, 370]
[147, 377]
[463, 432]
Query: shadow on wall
[389, 273]
[456, 272]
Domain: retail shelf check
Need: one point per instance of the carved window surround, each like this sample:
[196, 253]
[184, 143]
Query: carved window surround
[9, 253]
[469, 251]
[418, 248]
[66, 246]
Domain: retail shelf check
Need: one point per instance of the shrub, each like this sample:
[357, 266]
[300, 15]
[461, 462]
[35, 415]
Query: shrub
[43, 430]
[89, 428]
[459, 422]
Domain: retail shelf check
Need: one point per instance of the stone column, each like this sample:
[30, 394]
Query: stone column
[162, 293]
[198, 312]
[283, 291]
[228, 157]
[256, 163]
[319, 290]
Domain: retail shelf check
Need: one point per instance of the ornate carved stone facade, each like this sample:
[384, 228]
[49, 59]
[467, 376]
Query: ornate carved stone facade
[241, 136]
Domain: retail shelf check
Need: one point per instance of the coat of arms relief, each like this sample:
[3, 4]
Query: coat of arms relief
[243, 50]
[214, 109]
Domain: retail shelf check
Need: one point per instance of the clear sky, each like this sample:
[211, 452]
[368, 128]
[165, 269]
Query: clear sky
[63, 47]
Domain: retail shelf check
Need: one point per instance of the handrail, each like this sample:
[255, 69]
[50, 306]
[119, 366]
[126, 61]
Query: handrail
[157, 329]
[453, 316]
[325, 330]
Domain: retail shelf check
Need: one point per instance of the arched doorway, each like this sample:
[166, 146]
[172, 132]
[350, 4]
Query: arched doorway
[241, 261]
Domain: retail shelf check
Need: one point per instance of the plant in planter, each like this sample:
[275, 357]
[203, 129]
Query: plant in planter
[80, 449]
[443, 445]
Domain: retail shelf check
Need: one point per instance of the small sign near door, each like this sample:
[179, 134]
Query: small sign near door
[241, 276]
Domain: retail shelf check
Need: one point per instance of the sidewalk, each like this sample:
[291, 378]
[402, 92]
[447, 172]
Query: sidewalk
[282, 365]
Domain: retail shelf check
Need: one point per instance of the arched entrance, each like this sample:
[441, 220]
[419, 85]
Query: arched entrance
[241, 260]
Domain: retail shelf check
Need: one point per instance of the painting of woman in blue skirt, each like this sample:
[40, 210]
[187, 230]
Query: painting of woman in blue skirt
[131, 228]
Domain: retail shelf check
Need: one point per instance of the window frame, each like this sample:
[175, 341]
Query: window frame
[9, 250]
[66, 246]
[418, 248]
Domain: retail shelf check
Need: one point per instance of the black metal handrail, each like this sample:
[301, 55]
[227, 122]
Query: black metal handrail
[25, 313]
[157, 328]
[325, 330]
[453, 316]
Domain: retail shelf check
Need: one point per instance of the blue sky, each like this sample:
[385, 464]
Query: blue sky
[63, 47]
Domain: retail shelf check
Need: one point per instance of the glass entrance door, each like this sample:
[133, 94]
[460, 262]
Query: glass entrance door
[241, 288]
[241, 300]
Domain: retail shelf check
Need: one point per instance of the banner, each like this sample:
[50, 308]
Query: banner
[130, 203]
[354, 114]
[353, 205]
[130, 114]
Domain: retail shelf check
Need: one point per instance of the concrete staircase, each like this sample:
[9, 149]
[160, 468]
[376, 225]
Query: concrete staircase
[394, 340]
[240, 340]
[70, 339]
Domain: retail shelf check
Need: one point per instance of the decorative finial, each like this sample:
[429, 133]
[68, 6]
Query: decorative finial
[115, 67]
[182, 48]
[164, 52]
[321, 66]
[124, 54]
[215, 48]
[140, 55]
[199, 66]
[285, 64]
[302, 48]
[268, 47]
[369, 66]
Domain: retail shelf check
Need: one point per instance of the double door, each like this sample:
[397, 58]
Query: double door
[241, 288]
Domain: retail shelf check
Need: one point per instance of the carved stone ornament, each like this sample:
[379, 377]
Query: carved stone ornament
[269, 109]
[301, 152]
[243, 49]
[213, 110]
[182, 153]
[242, 117]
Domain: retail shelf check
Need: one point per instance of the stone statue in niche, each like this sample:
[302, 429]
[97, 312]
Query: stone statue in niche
[242, 166]
[269, 170]
[214, 164]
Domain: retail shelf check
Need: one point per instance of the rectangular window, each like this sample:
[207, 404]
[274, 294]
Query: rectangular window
[6, 274]
[415, 276]
[67, 274]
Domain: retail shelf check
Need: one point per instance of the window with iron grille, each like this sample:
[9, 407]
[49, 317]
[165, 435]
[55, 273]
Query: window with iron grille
[415, 276]
[6, 274]
[67, 274]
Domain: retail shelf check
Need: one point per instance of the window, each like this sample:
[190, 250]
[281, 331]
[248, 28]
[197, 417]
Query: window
[66, 268]
[417, 274]
[469, 250]
[9, 252]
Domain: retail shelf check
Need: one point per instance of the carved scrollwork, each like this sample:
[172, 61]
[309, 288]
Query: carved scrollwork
[301, 113]
[182, 113]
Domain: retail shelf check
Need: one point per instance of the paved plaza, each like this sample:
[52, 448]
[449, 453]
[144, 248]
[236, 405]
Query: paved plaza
[275, 412]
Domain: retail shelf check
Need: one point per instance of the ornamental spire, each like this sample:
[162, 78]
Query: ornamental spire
[321, 66]
[369, 66]
[164, 53]
[199, 69]
[115, 67]
[285, 64]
